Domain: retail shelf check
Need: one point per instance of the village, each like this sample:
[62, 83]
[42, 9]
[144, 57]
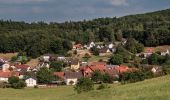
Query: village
[68, 69]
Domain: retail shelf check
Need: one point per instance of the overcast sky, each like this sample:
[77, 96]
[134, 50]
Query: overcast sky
[66, 10]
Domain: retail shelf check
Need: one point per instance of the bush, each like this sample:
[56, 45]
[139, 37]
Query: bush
[35, 86]
[132, 77]
[97, 77]
[13, 79]
[19, 85]
[107, 78]
[116, 59]
[84, 85]
[16, 83]
[4, 85]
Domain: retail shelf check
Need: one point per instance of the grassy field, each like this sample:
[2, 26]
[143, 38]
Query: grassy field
[154, 89]
[7, 55]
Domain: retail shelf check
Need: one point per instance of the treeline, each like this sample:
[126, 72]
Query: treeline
[34, 43]
[150, 29]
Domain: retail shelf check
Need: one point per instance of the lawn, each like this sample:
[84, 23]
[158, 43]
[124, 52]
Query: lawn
[97, 58]
[154, 89]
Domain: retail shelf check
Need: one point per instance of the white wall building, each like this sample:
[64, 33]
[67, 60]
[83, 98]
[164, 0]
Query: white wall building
[31, 82]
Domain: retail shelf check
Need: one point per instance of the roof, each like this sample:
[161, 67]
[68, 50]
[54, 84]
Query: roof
[1, 63]
[74, 61]
[73, 75]
[8, 74]
[31, 77]
[101, 66]
[122, 68]
[164, 50]
[112, 72]
[59, 74]
[103, 50]
[22, 66]
[149, 50]
[78, 45]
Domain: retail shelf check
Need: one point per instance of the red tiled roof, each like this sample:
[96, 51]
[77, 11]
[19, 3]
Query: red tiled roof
[101, 66]
[59, 74]
[22, 66]
[8, 74]
[122, 68]
[149, 50]
[98, 64]
[112, 72]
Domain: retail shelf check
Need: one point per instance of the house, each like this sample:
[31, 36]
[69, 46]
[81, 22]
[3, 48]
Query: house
[124, 41]
[148, 52]
[5, 75]
[7, 67]
[42, 64]
[156, 69]
[164, 52]
[112, 72]
[92, 44]
[75, 64]
[104, 51]
[122, 68]
[95, 66]
[31, 81]
[111, 45]
[3, 60]
[61, 58]
[71, 78]
[22, 69]
[46, 58]
[98, 47]
[77, 46]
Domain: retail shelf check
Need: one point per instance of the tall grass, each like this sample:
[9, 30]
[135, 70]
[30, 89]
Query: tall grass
[154, 89]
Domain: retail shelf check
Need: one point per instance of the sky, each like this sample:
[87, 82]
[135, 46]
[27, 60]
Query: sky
[75, 10]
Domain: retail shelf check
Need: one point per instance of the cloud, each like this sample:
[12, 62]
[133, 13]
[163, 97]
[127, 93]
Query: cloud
[21, 1]
[119, 2]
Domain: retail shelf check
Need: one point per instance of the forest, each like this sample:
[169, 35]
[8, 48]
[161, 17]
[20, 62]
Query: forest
[37, 38]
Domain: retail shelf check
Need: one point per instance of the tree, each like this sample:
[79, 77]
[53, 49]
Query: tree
[44, 75]
[131, 45]
[116, 59]
[118, 35]
[131, 77]
[139, 47]
[84, 85]
[106, 34]
[97, 76]
[56, 66]
[95, 51]
[153, 59]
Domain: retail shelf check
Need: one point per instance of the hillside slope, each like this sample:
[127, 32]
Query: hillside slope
[154, 89]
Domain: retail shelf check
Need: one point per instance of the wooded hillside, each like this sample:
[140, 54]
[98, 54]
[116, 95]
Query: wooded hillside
[151, 29]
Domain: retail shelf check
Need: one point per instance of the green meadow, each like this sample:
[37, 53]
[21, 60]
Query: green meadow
[154, 89]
